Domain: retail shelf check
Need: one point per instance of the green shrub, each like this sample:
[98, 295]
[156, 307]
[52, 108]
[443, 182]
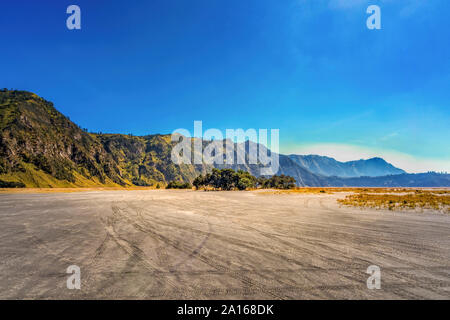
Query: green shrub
[228, 179]
[179, 185]
[140, 183]
[13, 184]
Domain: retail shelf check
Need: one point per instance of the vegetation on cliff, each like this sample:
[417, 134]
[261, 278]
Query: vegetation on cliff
[40, 147]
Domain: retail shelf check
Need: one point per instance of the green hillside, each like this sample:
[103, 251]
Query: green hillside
[40, 147]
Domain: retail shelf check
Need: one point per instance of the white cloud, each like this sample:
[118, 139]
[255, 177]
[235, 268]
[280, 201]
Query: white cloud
[346, 152]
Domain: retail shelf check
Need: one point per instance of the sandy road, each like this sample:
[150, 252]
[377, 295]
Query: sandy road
[165, 244]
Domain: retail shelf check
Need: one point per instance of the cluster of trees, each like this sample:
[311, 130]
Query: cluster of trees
[277, 182]
[61, 169]
[140, 182]
[12, 184]
[228, 179]
[178, 185]
[225, 179]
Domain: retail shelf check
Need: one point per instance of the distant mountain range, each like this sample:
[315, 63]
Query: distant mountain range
[306, 175]
[40, 147]
[327, 166]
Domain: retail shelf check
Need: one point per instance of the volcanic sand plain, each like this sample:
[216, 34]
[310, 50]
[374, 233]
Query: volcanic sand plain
[183, 244]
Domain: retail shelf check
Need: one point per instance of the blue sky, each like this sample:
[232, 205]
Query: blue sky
[309, 68]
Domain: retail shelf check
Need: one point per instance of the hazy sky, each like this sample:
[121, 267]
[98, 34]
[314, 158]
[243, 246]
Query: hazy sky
[310, 68]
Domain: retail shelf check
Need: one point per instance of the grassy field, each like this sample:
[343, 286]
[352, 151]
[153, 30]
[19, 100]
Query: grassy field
[332, 190]
[423, 199]
[384, 198]
[70, 190]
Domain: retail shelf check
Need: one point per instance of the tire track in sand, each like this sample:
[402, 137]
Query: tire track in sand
[150, 229]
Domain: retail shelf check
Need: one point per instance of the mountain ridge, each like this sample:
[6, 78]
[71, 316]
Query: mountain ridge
[327, 166]
[40, 147]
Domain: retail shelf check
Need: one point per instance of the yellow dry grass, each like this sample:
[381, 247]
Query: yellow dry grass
[69, 190]
[331, 190]
[383, 198]
[423, 199]
[299, 191]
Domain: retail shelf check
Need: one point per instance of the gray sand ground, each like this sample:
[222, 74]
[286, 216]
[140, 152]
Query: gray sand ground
[165, 244]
